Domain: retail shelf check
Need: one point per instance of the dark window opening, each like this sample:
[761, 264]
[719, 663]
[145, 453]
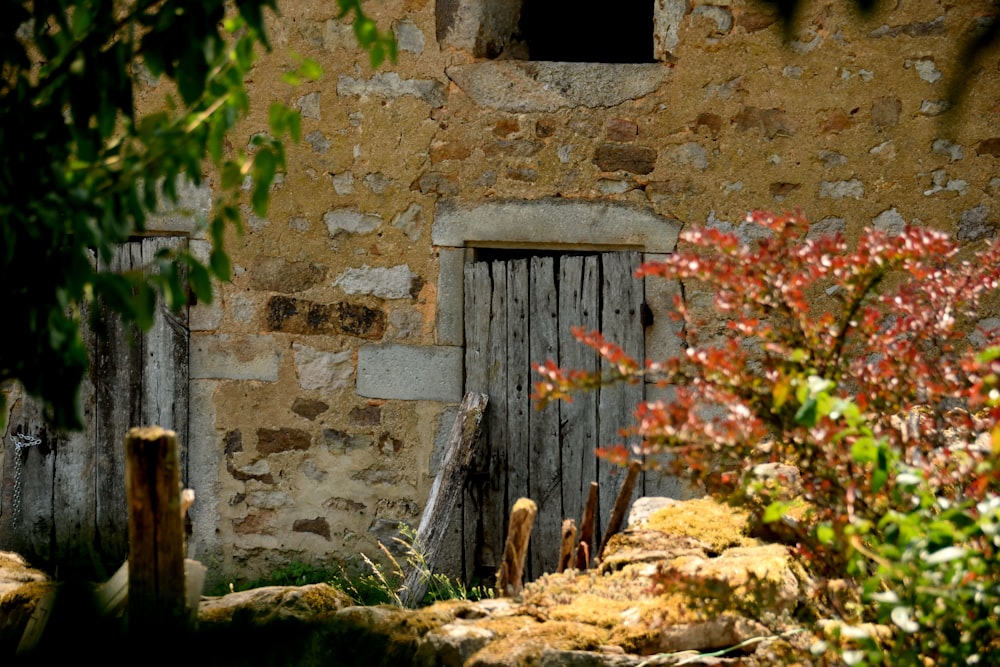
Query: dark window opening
[588, 30]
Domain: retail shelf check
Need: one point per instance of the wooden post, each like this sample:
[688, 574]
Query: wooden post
[156, 594]
[621, 505]
[509, 578]
[568, 542]
[445, 494]
[587, 530]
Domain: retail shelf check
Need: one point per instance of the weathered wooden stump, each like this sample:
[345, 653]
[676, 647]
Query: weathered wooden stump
[156, 594]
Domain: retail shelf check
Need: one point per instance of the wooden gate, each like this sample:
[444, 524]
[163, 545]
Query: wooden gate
[519, 311]
[62, 499]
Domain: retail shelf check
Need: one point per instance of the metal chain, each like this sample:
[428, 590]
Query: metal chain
[21, 442]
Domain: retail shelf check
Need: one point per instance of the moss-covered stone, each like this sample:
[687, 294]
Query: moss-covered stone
[718, 526]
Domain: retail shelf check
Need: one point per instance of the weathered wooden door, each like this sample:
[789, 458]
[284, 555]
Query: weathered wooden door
[62, 495]
[519, 311]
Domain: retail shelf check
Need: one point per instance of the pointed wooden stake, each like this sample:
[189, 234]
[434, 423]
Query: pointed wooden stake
[509, 578]
[568, 542]
[587, 530]
[621, 505]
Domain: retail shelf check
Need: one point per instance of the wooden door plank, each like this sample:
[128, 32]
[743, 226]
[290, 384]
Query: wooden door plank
[478, 294]
[493, 530]
[544, 472]
[621, 301]
[518, 382]
[164, 400]
[579, 299]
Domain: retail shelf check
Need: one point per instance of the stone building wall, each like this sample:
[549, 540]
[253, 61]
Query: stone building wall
[325, 376]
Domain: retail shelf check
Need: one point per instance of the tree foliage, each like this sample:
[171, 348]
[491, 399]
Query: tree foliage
[81, 170]
[852, 363]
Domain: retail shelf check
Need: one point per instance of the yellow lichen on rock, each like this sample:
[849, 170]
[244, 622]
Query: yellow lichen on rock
[717, 525]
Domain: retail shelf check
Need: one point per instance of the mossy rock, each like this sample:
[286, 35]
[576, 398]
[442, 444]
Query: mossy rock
[715, 524]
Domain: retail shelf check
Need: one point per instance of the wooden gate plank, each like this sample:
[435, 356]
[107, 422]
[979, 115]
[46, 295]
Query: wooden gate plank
[28, 520]
[518, 382]
[621, 301]
[74, 484]
[544, 474]
[579, 295]
[74, 492]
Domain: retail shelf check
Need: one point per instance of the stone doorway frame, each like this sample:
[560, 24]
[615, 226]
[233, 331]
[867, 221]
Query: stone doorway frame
[550, 224]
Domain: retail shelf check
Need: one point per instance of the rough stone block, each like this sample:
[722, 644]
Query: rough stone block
[450, 327]
[234, 358]
[410, 372]
[770, 122]
[390, 86]
[482, 27]
[192, 208]
[530, 86]
[319, 370]
[885, 111]
[667, 17]
[300, 316]
[277, 274]
[318, 526]
[625, 157]
[394, 282]
[853, 188]
[272, 441]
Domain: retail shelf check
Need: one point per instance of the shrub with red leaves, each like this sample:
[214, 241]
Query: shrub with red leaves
[851, 362]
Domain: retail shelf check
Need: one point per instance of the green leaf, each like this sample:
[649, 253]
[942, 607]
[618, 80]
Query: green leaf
[376, 55]
[864, 450]
[201, 281]
[311, 70]
[825, 534]
[775, 511]
[295, 126]
[144, 305]
[221, 266]
[806, 414]
[264, 167]
[276, 118]
[365, 31]
[232, 175]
